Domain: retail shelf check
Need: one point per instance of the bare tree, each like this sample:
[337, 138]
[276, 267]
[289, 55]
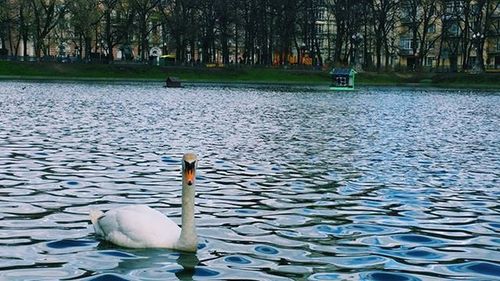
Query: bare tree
[308, 17]
[84, 17]
[110, 33]
[25, 22]
[420, 17]
[177, 15]
[46, 14]
[207, 19]
[14, 23]
[224, 17]
[483, 26]
[145, 10]
[384, 17]
[285, 19]
[5, 22]
[340, 10]
[452, 31]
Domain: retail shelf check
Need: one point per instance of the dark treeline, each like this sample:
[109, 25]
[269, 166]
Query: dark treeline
[372, 32]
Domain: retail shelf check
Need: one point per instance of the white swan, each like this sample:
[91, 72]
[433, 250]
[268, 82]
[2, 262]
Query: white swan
[139, 226]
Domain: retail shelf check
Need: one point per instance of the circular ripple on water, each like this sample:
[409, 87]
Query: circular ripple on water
[423, 254]
[205, 272]
[106, 277]
[63, 244]
[324, 276]
[388, 276]
[418, 239]
[267, 250]
[237, 260]
[482, 268]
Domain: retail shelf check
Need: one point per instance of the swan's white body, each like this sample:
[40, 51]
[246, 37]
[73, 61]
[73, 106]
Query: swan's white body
[139, 226]
[136, 226]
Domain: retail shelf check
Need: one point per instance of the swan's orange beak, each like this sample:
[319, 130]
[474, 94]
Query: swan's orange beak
[189, 177]
[189, 172]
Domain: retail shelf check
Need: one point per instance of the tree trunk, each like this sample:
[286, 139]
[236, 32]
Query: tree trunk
[88, 47]
[11, 43]
[387, 57]
[107, 30]
[80, 45]
[205, 51]
[25, 44]
[2, 40]
[144, 40]
[378, 52]
[338, 48]
[480, 54]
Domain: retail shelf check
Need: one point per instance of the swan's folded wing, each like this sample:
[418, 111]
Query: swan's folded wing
[139, 226]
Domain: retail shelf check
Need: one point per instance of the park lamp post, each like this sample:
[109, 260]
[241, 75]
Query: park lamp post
[230, 51]
[164, 48]
[302, 53]
[356, 61]
[103, 47]
[477, 39]
[258, 55]
[199, 47]
[99, 49]
[61, 50]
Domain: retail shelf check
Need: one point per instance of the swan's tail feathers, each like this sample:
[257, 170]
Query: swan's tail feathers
[95, 215]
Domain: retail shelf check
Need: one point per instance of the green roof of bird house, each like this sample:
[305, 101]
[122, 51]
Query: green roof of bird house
[343, 72]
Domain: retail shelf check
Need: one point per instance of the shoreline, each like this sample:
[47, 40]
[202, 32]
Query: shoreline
[236, 76]
[242, 83]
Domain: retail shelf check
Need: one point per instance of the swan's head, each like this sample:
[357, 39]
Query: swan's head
[189, 162]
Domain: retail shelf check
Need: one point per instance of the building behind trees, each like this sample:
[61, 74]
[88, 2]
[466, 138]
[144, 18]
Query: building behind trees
[444, 35]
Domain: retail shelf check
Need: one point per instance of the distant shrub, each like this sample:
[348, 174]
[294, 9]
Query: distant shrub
[4, 52]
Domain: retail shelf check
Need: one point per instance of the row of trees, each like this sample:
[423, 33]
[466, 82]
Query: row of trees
[465, 25]
[254, 31]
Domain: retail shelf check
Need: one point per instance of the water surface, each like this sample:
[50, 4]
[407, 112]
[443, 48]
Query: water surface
[293, 184]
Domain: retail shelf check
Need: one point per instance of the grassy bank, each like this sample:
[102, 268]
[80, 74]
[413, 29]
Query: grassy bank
[450, 80]
[127, 72]
[145, 72]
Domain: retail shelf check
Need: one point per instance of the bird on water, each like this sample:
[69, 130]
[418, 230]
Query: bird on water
[139, 226]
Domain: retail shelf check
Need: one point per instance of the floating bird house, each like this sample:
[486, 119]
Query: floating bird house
[342, 79]
[173, 82]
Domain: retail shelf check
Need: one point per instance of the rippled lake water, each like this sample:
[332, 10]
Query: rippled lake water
[293, 184]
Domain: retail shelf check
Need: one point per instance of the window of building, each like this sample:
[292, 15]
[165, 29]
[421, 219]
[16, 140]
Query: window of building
[321, 42]
[431, 28]
[406, 12]
[454, 7]
[321, 13]
[496, 12]
[496, 26]
[319, 29]
[406, 43]
[449, 7]
[475, 9]
[454, 29]
[430, 61]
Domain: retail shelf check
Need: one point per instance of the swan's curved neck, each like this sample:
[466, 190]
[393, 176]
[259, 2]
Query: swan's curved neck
[188, 241]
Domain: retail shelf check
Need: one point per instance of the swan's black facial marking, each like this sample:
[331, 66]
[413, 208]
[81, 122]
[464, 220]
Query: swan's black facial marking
[189, 166]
